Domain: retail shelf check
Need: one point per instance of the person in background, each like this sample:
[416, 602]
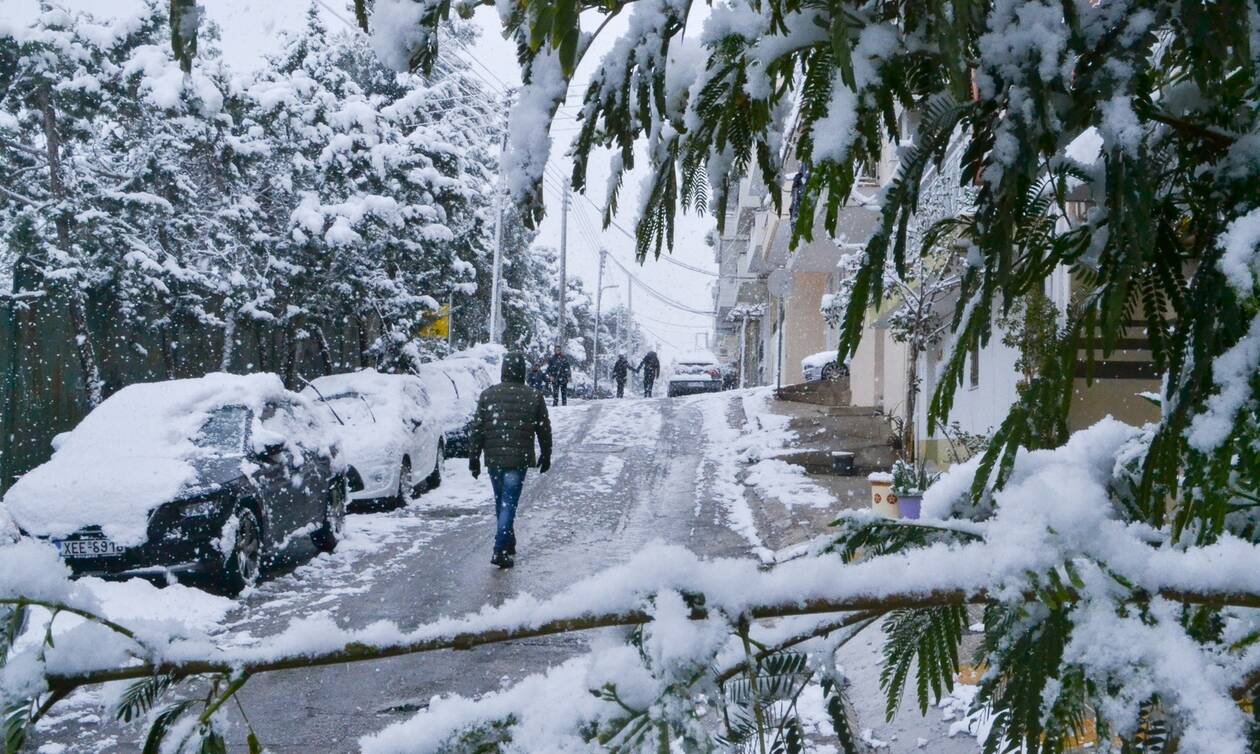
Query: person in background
[537, 379]
[620, 371]
[651, 367]
[509, 417]
[559, 372]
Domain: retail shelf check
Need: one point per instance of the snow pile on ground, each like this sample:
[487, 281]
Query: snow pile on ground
[135, 451]
[723, 464]
[740, 457]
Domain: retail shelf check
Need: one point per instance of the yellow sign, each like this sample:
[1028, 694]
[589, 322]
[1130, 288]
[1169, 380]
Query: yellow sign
[439, 327]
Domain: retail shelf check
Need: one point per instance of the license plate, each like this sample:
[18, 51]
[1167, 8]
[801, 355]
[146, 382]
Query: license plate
[89, 548]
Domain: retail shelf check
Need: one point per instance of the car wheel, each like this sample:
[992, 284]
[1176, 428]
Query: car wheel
[434, 480]
[830, 372]
[406, 486]
[242, 566]
[328, 534]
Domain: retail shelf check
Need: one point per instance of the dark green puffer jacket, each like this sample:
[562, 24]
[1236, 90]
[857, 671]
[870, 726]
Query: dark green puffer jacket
[509, 416]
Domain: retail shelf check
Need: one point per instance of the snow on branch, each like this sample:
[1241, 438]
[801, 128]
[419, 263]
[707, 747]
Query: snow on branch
[1078, 549]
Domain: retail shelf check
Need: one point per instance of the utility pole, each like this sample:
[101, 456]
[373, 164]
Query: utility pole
[743, 341]
[564, 249]
[778, 370]
[629, 303]
[496, 286]
[599, 300]
[450, 320]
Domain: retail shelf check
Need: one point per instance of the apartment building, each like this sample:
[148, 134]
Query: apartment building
[769, 328]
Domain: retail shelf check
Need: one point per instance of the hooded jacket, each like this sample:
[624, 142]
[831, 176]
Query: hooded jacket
[650, 365]
[509, 416]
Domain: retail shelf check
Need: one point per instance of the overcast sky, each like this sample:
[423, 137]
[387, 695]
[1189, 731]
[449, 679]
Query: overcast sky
[251, 29]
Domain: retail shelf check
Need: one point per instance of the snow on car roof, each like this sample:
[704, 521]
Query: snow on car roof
[368, 382]
[491, 353]
[130, 454]
[819, 359]
[697, 357]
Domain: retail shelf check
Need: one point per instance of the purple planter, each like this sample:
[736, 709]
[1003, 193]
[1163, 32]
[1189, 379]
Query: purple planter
[910, 505]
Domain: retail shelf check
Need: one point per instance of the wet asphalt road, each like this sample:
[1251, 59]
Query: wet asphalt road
[587, 513]
[624, 474]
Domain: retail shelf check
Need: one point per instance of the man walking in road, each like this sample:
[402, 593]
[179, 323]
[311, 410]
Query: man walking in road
[620, 372]
[559, 372]
[650, 366]
[509, 416]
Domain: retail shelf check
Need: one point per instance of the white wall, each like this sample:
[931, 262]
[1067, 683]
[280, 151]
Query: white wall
[978, 409]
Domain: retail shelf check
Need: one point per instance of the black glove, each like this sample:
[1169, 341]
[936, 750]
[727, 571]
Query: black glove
[474, 465]
[544, 463]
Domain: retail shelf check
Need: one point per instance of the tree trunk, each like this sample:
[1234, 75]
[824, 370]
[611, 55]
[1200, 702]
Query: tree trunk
[78, 316]
[912, 394]
[291, 344]
[325, 353]
[229, 340]
[8, 425]
[364, 343]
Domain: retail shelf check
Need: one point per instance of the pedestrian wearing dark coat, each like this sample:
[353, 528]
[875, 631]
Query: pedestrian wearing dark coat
[537, 378]
[651, 367]
[620, 372]
[559, 372]
[509, 417]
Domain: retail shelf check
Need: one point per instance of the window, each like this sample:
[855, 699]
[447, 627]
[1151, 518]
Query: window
[224, 430]
[975, 368]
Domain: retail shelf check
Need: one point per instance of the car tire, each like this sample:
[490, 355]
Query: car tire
[434, 480]
[328, 534]
[243, 565]
[406, 487]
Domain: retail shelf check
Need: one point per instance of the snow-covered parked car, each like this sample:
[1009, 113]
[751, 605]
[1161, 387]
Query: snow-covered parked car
[823, 366]
[455, 383]
[201, 477]
[697, 372]
[391, 436]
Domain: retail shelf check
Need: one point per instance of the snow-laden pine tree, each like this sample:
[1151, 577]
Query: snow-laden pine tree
[386, 208]
[61, 76]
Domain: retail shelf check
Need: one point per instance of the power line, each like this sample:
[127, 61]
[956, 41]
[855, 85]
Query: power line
[584, 226]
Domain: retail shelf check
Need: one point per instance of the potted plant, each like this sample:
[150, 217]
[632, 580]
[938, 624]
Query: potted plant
[909, 481]
[883, 501]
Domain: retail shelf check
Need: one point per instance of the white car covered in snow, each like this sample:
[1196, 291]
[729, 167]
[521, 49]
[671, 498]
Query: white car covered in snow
[823, 366]
[454, 384]
[390, 432]
[697, 372]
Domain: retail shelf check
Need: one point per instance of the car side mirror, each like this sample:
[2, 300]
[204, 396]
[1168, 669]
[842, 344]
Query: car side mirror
[354, 482]
[416, 424]
[58, 440]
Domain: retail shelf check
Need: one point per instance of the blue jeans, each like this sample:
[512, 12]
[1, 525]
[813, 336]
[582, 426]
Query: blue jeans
[507, 484]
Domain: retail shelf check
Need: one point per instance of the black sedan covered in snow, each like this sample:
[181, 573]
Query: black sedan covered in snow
[201, 477]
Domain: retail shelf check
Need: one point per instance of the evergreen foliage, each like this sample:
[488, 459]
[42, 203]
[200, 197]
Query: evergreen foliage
[1167, 241]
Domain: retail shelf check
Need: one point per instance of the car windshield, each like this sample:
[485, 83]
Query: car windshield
[350, 407]
[223, 431]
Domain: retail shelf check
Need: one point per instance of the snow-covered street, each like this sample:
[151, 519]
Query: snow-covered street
[626, 473]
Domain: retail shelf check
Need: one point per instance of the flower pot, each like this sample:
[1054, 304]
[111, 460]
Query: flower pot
[883, 501]
[910, 505]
